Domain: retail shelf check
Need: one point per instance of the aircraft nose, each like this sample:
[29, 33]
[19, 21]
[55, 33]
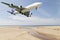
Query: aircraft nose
[41, 3]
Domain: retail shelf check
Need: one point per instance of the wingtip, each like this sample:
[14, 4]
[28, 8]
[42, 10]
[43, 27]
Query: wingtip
[2, 2]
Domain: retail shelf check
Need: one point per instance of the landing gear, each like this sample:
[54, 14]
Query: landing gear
[11, 13]
[36, 8]
[30, 14]
[14, 14]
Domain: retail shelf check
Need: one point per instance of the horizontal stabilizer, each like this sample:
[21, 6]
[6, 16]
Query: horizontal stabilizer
[9, 12]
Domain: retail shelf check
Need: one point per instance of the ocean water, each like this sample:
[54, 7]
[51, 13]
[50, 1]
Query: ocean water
[19, 25]
[27, 25]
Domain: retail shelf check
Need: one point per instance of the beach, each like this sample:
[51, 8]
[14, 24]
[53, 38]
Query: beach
[30, 33]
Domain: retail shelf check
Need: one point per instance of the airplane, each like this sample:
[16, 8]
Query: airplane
[23, 10]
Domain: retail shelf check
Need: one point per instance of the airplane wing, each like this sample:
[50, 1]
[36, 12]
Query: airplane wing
[5, 3]
[10, 5]
[32, 6]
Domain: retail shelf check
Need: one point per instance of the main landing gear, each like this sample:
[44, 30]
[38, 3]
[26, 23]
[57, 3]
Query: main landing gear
[30, 14]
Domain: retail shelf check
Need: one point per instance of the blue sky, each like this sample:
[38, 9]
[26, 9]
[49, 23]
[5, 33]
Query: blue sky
[47, 14]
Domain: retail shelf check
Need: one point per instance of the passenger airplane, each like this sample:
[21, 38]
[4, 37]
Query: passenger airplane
[23, 10]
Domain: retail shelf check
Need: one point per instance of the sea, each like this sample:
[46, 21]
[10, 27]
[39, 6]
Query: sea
[27, 25]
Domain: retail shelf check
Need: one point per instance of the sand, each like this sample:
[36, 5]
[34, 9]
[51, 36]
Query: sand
[30, 33]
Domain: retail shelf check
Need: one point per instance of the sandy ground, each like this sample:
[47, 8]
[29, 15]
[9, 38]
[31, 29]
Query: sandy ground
[30, 33]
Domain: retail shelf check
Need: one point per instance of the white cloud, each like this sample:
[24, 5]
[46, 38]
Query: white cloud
[35, 20]
[23, 20]
[7, 22]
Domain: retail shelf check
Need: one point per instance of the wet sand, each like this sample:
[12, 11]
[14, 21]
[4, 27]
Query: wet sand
[30, 33]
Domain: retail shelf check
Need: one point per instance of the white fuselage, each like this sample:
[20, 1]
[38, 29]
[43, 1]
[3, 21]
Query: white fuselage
[32, 6]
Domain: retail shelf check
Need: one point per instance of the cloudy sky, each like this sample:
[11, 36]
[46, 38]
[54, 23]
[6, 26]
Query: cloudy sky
[47, 14]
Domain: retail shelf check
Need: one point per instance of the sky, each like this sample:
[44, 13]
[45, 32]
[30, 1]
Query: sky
[47, 14]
